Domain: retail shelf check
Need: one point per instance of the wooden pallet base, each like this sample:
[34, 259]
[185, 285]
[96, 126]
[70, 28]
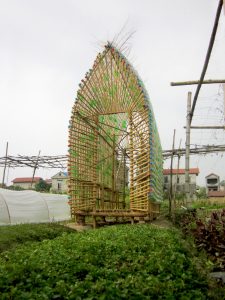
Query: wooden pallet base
[133, 216]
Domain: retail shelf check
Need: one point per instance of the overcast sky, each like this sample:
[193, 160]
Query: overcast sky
[47, 46]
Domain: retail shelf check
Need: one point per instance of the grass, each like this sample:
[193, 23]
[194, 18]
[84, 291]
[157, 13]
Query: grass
[15, 235]
[207, 204]
[116, 262]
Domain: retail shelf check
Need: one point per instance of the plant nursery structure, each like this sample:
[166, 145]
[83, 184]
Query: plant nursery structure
[114, 146]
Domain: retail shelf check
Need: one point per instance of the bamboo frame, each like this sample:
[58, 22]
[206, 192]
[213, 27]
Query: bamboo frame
[112, 130]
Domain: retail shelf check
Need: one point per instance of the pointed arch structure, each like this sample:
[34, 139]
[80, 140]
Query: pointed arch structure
[113, 140]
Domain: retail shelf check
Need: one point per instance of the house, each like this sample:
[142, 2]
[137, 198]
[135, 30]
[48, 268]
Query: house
[178, 179]
[59, 182]
[212, 182]
[222, 185]
[26, 183]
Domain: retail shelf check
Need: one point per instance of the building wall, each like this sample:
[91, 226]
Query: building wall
[178, 182]
[212, 186]
[180, 179]
[59, 183]
[25, 185]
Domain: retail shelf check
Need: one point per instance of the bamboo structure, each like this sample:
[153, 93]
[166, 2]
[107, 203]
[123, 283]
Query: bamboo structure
[113, 130]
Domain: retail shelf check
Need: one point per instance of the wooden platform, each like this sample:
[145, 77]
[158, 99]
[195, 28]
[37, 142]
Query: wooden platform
[141, 216]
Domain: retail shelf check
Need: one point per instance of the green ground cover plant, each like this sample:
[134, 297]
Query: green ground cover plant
[14, 235]
[117, 262]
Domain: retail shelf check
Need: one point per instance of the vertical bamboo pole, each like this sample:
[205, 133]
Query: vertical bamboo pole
[124, 178]
[171, 176]
[187, 152]
[113, 173]
[6, 157]
[35, 167]
[177, 175]
[95, 166]
[131, 161]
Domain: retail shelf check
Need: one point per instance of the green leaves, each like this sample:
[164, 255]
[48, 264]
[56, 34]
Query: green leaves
[118, 262]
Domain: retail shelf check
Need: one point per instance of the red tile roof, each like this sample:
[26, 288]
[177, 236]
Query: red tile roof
[26, 179]
[181, 171]
[216, 193]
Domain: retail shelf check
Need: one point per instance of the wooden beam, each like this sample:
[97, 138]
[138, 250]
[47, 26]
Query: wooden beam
[193, 82]
[207, 127]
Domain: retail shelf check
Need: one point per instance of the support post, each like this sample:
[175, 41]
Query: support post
[171, 175]
[5, 164]
[177, 175]
[187, 152]
[113, 173]
[124, 178]
[35, 167]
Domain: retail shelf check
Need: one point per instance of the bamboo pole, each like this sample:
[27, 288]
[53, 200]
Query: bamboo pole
[208, 54]
[193, 82]
[187, 154]
[35, 167]
[6, 157]
[171, 176]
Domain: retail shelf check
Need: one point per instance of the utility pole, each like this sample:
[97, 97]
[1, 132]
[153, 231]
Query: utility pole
[6, 157]
[171, 176]
[187, 152]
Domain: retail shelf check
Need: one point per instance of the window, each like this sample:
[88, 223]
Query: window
[212, 181]
[165, 179]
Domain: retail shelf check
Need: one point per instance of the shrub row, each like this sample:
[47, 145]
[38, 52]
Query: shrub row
[14, 235]
[118, 262]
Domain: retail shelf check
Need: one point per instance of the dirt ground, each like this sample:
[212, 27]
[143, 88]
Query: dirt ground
[161, 222]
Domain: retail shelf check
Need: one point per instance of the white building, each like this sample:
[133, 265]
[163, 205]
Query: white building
[212, 182]
[60, 182]
[178, 179]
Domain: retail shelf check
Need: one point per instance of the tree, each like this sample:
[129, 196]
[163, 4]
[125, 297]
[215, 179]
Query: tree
[42, 186]
[201, 193]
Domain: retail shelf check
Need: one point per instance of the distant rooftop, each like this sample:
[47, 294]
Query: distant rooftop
[26, 179]
[180, 171]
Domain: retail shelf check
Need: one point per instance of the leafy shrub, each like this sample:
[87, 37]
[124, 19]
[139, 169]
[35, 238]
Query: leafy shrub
[118, 262]
[184, 218]
[15, 188]
[210, 236]
[14, 235]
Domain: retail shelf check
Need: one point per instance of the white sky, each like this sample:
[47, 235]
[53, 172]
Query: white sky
[47, 46]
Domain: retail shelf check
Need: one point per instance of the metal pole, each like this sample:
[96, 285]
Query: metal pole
[187, 152]
[6, 156]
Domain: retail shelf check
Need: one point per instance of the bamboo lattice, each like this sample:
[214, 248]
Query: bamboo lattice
[113, 139]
